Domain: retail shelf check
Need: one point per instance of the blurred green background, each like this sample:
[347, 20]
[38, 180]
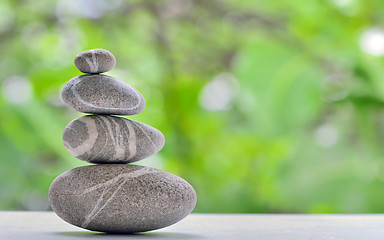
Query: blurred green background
[266, 106]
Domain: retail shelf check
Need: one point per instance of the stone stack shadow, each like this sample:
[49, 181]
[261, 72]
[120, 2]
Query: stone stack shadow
[113, 195]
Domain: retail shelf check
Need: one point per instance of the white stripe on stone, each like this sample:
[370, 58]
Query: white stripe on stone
[96, 210]
[131, 140]
[88, 144]
[115, 137]
[108, 186]
[105, 143]
[95, 64]
[153, 144]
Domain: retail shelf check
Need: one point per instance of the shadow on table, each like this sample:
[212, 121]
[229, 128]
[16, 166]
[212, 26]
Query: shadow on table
[141, 236]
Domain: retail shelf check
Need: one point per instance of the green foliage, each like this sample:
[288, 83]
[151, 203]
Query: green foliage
[303, 132]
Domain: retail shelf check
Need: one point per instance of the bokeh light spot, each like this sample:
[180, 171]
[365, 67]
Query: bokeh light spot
[218, 94]
[17, 89]
[372, 41]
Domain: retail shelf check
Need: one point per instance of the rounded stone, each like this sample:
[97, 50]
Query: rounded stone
[108, 139]
[95, 61]
[101, 94]
[121, 198]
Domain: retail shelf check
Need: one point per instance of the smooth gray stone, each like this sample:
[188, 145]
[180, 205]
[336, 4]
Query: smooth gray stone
[121, 198]
[95, 61]
[101, 94]
[107, 139]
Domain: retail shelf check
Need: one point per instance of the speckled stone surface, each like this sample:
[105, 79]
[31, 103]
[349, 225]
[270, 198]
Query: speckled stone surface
[95, 61]
[107, 139]
[121, 198]
[101, 94]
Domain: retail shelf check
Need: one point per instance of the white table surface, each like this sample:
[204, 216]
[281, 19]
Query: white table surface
[46, 225]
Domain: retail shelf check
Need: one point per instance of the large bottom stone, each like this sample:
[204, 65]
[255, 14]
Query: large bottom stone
[121, 198]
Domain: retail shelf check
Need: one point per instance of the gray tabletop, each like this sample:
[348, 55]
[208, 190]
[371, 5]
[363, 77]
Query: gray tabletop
[46, 225]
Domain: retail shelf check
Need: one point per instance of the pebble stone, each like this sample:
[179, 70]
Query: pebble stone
[121, 198]
[101, 94]
[108, 139]
[95, 61]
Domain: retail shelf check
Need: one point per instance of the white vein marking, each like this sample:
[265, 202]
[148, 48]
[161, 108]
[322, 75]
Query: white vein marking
[89, 63]
[153, 144]
[110, 184]
[95, 64]
[89, 142]
[105, 143]
[96, 210]
[119, 146]
[76, 94]
[115, 137]
[133, 174]
[66, 143]
[92, 213]
[131, 139]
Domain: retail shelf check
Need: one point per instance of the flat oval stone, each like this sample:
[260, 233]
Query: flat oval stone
[107, 139]
[95, 61]
[101, 94]
[121, 198]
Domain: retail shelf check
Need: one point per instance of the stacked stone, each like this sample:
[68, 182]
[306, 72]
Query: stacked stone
[113, 195]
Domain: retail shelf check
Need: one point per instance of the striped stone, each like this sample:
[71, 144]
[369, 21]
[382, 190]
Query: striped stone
[95, 61]
[101, 94]
[108, 139]
[121, 198]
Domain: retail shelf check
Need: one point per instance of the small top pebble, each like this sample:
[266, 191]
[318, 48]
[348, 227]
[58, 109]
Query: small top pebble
[95, 61]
